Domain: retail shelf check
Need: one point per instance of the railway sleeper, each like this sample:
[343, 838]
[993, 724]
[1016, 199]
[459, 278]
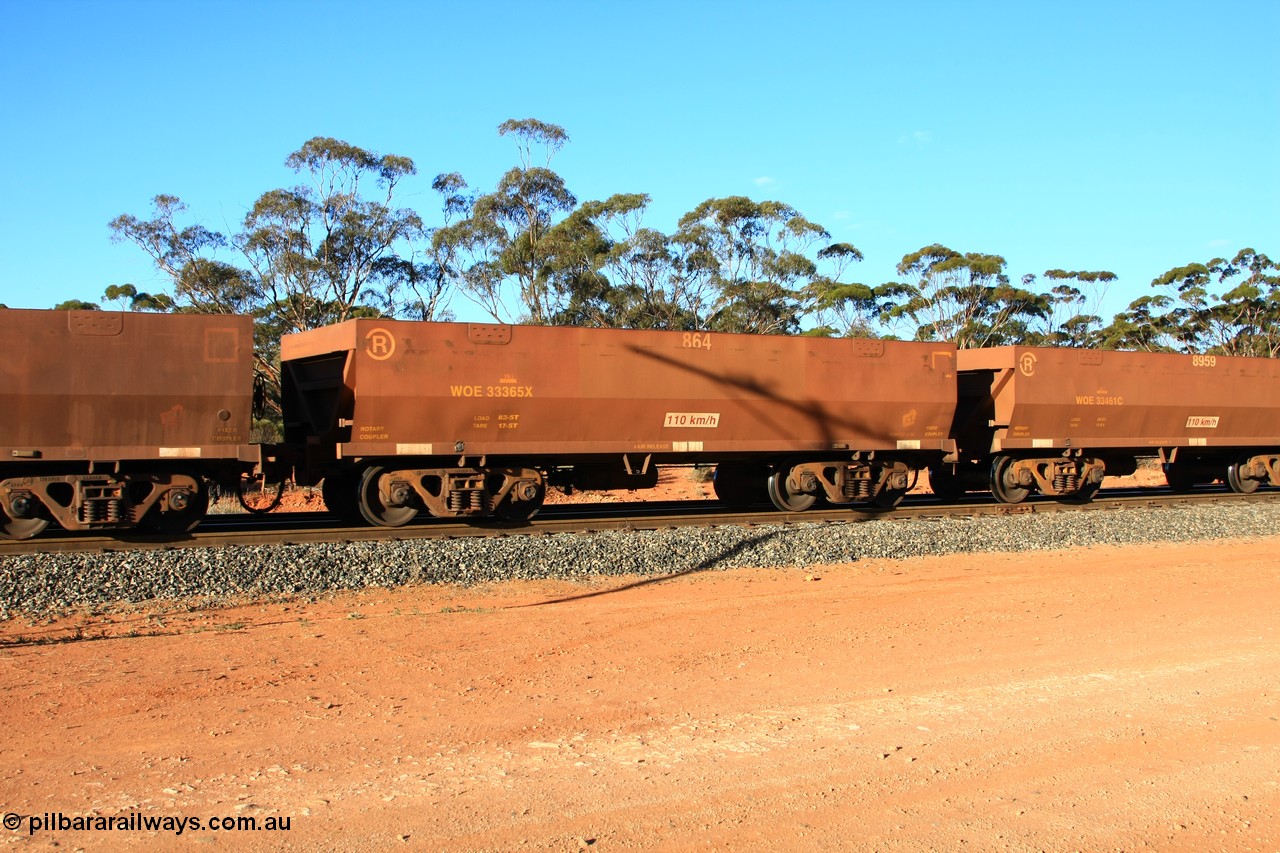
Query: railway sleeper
[163, 502]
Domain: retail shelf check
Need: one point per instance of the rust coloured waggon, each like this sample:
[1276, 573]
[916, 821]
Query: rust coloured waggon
[1055, 421]
[465, 419]
[116, 420]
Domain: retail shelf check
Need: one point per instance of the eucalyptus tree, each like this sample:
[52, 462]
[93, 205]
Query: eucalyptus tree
[610, 271]
[428, 286]
[334, 247]
[1072, 319]
[840, 308]
[200, 281]
[655, 291]
[1144, 326]
[502, 244]
[1242, 318]
[580, 250]
[964, 298]
[127, 297]
[1250, 303]
[324, 251]
[750, 258]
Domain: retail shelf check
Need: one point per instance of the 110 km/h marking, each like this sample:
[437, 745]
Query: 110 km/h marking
[705, 420]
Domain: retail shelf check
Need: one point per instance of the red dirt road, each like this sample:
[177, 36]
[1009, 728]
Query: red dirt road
[1102, 699]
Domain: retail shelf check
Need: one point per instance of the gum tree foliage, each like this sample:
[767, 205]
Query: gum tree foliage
[432, 285]
[657, 294]
[963, 298]
[317, 253]
[1241, 318]
[128, 298]
[748, 258]
[844, 309]
[335, 246]
[1071, 320]
[200, 282]
[1141, 327]
[617, 274]
[340, 245]
[502, 243]
[608, 271]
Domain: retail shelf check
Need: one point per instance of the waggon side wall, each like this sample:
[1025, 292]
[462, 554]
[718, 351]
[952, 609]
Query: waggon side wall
[430, 388]
[1048, 397]
[106, 385]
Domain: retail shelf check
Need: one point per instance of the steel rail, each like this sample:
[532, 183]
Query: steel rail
[306, 527]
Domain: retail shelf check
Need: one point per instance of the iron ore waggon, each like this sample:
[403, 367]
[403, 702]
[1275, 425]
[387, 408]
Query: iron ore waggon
[466, 419]
[115, 420]
[1055, 421]
[122, 420]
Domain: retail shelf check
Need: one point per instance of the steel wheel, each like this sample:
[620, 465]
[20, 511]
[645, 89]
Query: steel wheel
[1243, 485]
[515, 511]
[785, 499]
[21, 528]
[373, 509]
[1005, 489]
[182, 520]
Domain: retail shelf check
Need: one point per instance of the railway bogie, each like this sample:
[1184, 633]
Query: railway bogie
[878, 482]
[391, 497]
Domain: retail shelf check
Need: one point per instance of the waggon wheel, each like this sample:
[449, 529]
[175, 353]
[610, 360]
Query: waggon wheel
[1243, 485]
[180, 519]
[21, 528]
[264, 500]
[1003, 486]
[371, 505]
[740, 484]
[785, 499]
[902, 482]
[1178, 477]
[509, 509]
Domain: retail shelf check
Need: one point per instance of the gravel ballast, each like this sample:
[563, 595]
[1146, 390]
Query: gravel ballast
[48, 584]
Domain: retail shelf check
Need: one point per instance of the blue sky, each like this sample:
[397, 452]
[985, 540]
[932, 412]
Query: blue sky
[1132, 137]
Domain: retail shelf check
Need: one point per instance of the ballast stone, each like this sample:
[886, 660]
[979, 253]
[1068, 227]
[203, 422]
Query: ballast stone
[39, 585]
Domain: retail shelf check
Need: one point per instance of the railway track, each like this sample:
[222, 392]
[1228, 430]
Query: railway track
[313, 527]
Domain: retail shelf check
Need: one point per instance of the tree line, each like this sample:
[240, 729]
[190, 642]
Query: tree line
[341, 244]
